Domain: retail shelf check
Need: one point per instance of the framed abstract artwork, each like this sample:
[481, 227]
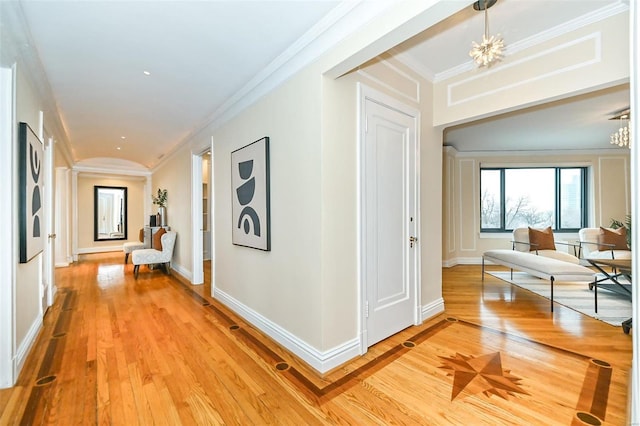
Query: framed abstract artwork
[31, 196]
[250, 196]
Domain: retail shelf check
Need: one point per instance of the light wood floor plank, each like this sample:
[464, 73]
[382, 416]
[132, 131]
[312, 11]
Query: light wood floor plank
[159, 351]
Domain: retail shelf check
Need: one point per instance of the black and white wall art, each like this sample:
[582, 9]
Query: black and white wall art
[31, 196]
[250, 194]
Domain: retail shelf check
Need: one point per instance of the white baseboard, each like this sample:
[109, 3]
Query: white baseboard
[91, 250]
[319, 360]
[186, 273]
[62, 264]
[462, 261]
[25, 346]
[432, 309]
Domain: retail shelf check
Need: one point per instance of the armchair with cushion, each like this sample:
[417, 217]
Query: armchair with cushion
[128, 248]
[160, 254]
[603, 243]
[541, 242]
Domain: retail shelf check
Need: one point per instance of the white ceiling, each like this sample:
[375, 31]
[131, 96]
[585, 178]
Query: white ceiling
[202, 54]
[198, 53]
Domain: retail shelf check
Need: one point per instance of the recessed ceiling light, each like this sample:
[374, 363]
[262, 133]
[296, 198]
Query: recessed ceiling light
[123, 137]
[118, 148]
[146, 73]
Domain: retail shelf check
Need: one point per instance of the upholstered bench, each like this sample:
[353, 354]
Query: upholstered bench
[538, 266]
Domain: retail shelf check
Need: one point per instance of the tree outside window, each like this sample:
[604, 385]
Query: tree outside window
[538, 197]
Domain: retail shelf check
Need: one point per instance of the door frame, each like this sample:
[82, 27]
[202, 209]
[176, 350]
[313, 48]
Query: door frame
[197, 247]
[8, 224]
[365, 93]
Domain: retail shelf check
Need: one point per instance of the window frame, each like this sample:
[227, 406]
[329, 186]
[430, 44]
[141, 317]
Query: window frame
[558, 197]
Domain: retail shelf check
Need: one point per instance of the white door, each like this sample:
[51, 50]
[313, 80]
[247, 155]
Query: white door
[389, 220]
[48, 256]
[196, 219]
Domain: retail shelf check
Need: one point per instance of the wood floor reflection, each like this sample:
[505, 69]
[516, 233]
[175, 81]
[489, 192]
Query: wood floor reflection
[160, 351]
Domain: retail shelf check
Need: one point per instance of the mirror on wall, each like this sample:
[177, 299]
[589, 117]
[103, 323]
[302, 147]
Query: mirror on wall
[109, 213]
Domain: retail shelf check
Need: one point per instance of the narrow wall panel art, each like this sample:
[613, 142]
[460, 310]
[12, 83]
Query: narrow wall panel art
[31, 196]
[250, 193]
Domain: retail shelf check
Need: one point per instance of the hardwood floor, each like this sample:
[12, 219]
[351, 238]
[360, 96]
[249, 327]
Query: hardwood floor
[114, 350]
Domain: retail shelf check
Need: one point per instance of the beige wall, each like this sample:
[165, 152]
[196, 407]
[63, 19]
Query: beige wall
[135, 210]
[175, 176]
[308, 283]
[28, 278]
[609, 196]
[21, 306]
[284, 284]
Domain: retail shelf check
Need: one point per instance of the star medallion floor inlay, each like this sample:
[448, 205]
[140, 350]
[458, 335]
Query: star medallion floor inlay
[481, 374]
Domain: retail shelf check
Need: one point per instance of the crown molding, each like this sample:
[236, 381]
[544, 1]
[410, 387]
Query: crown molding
[106, 174]
[111, 166]
[535, 153]
[18, 46]
[322, 36]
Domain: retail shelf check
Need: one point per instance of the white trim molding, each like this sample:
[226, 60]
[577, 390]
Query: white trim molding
[8, 222]
[432, 309]
[105, 249]
[471, 91]
[413, 95]
[197, 270]
[26, 344]
[111, 166]
[322, 361]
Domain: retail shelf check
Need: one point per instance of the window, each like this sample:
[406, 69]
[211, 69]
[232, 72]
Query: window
[538, 197]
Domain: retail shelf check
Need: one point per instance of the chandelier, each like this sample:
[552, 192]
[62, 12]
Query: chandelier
[490, 50]
[622, 137]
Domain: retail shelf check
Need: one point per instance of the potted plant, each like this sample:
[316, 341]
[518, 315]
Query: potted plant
[161, 200]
